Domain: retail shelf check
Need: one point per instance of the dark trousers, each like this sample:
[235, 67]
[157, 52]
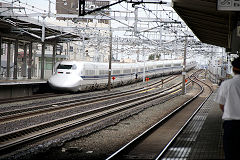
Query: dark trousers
[231, 139]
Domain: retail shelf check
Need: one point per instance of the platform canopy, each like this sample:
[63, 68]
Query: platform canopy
[29, 29]
[208, 24]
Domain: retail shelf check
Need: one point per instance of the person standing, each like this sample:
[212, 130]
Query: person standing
[228, 97]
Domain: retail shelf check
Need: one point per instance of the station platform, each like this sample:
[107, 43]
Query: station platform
[5, 82]
[11, 88]
[202, 138]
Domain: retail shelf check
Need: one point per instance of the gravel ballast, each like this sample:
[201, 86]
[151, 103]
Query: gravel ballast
[95, 144]
[101, 144]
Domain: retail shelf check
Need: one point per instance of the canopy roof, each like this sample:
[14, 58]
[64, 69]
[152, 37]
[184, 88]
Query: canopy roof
[209, 25]
[29, 29]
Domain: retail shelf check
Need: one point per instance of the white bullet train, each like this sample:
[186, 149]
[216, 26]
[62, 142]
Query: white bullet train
[71, 75]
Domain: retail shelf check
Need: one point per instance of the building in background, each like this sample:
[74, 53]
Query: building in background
[71, 7]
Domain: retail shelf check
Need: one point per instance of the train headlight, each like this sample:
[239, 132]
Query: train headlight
[74, 67]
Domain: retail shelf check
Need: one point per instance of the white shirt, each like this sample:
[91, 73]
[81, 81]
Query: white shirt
[229, 95]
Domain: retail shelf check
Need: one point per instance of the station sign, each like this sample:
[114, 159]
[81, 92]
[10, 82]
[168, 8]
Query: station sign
[228, 5]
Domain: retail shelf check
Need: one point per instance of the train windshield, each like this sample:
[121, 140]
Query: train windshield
[63, 66]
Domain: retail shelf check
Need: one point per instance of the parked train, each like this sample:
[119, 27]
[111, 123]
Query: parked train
[70, 75]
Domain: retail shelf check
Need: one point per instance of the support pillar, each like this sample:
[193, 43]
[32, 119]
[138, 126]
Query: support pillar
[42, 60]
[0, 55]
[43, 48]
[15, 68]
[54, 58]
[24, 67]
[30, 61]
[8, 58]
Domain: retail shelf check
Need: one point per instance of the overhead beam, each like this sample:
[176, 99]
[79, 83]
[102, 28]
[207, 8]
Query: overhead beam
[102, 17]
[83, 12]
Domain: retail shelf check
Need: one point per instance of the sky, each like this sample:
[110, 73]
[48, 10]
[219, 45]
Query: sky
[42, 6]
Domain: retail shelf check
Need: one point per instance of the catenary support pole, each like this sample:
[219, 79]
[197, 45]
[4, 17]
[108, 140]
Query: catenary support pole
[110, 60]
[184, 68]
[144, 65]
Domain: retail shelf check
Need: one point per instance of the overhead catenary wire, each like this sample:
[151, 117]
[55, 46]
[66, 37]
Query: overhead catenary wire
[33, 8]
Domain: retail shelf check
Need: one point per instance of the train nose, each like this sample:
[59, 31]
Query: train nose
[65, 82]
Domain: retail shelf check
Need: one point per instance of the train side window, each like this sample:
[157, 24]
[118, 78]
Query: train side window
[103, 72]
[127, 71]
[90, 72]
[116, 71]
[175, 65]
[168, 65]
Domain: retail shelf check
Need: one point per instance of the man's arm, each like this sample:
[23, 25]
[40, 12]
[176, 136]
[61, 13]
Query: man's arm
[221, 107]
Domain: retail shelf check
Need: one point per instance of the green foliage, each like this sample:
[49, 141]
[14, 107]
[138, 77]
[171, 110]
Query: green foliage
[151, 57]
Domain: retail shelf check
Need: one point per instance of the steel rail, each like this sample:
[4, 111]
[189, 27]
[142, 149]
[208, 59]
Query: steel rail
[13, 138]
[186, 123]
[149, 130]
[4, 116]
[35, 96]
[46, 95]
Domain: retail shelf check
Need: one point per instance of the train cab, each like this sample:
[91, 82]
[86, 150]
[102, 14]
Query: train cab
[66, 77]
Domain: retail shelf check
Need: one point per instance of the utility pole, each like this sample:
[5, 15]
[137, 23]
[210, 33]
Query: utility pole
[110, 60]
[84, 52]
[184, 68]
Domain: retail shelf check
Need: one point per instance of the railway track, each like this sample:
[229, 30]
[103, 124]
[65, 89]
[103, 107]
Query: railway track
[56, 106]
[14, 139]
[33, 97]
[152, 143]
[47, 95]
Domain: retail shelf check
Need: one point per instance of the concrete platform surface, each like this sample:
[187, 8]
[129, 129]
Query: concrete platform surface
[202, 137]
